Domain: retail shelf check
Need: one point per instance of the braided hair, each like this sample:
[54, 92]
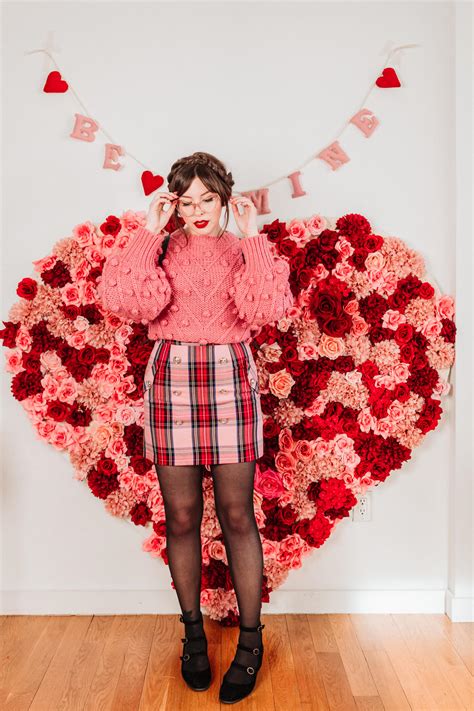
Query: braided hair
[210, 170]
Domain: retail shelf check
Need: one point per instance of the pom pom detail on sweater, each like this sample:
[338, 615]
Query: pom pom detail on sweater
[207, 289]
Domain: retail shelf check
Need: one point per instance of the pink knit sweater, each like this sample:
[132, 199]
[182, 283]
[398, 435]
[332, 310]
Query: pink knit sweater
[210, 290]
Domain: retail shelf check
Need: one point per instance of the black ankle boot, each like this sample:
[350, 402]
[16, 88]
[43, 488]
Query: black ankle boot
[197, 679]
[232, 691]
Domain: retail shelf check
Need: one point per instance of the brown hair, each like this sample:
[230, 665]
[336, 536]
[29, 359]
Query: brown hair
[207, 168]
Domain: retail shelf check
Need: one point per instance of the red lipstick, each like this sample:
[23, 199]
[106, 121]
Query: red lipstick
[201, 223]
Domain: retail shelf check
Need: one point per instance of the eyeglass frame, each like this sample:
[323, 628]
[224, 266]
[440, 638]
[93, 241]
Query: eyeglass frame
[215, 195]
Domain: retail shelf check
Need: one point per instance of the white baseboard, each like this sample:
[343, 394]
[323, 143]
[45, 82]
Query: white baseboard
[153, 602]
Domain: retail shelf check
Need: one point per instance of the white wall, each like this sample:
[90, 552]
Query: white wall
[263, 86]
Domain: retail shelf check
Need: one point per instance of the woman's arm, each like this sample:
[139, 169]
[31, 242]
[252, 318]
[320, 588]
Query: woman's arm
[261, 290]
[132, 285]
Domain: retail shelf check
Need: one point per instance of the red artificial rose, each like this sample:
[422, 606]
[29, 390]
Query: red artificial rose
[27, 288]
[57, 410]
[111, 226]
[337, 327]
[373, 242]
[86, 355]
[106, 466]
[403, 334]
[426, 291]
[8, 334]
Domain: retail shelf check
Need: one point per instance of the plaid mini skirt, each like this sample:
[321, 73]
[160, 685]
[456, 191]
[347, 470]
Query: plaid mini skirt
[202, 404]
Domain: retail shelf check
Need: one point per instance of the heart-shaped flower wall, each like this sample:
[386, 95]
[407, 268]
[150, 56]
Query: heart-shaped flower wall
[351, 380]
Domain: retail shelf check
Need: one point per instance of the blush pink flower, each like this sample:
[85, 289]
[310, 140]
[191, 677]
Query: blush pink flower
[280, 383]
[392, 319]
[331, 347]
[316, 224]
[445, 307]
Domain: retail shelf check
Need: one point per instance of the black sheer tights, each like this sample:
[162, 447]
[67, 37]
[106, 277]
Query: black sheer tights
[181, 487]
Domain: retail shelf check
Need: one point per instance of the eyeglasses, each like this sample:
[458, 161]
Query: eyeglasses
[187, 207]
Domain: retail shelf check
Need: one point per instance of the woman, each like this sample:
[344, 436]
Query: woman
[209, 297]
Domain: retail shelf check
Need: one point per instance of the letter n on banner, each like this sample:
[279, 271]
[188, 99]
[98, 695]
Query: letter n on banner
[259, 199]
[334, 156]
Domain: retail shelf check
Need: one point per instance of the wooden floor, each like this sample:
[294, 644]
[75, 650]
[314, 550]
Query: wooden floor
[343, 662]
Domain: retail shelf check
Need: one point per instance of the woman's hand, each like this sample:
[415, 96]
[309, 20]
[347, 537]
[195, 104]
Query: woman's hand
[247, 223]
[157, 218]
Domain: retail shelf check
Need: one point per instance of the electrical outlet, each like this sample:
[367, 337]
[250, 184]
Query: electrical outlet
[363, 509]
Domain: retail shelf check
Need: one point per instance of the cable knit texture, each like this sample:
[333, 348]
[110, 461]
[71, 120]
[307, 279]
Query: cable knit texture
[210, 290]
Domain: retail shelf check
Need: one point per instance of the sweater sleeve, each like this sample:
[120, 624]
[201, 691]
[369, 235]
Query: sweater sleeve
[132, 285]
[261, 290]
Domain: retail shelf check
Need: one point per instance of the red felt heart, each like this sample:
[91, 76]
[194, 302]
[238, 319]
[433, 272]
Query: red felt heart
[151, 182]
[54, 84]
[388, 79]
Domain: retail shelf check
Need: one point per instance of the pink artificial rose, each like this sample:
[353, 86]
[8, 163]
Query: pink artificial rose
[308, 351]
[102, 434]
[352, 307]
[89, 294]
[67, 391]
[316, 224]
[291, 551]
[392, 319]
[303, 451]
[319, 272]
[431, 328]
[42, 265]
[154, 545]
[384, 428]
[401, 371]
[14, 360]
[395, 412]
[365, 419]
[344, 248]
[442, 387]
[280, 383]
[268, 483]
[84, 234]
[343, 270]
[285, 462]
[445, 307]
[296, 230]
[331, 347]
[285, 440]
[342, 443]
[61, 435]
[23, 339]
[359, 326]
[374, 260]
[93, 256]
[78, 339]
[125, 415]
[70, 294]
[385, 381]
[322, 447]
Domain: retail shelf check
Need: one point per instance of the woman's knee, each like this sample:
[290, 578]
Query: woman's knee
[184, 518]
[237, 518]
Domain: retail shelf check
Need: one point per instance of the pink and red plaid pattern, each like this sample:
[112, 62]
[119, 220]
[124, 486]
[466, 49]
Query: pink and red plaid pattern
[202, 404]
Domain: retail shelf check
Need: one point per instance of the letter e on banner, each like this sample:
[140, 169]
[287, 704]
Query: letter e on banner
[366, 121]
[111, 153]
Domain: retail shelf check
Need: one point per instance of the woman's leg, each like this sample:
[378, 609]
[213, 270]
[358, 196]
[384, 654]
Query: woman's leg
[181, 487]
[233, 494]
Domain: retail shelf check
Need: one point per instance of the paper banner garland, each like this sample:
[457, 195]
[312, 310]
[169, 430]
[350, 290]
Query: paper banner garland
[332, 154]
